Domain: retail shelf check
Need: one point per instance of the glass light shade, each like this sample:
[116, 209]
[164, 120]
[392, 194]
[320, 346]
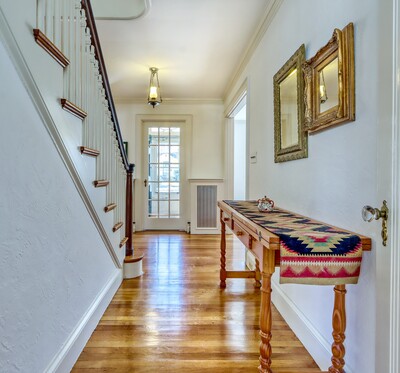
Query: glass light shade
[154, 96]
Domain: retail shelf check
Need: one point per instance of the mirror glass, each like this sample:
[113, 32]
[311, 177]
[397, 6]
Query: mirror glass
[290, 139]
[288, 98]
[328, 86]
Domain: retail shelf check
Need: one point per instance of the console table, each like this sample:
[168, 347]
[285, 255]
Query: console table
[266, 247]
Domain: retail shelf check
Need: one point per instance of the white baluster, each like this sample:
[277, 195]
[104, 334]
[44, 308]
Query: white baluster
[40, 8]
[57, 23]
[71, 52]
[108, 161]
[77, 55]
[65, 42]
[49, 14]
[117, 212]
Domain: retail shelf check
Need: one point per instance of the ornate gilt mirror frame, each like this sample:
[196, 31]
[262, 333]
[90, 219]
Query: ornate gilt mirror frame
[338, 52]
[289, 132]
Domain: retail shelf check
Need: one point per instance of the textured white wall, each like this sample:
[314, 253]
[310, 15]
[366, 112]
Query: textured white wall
[53, 263]
[339, 176]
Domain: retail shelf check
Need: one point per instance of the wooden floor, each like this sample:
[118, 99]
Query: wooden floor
[176, 319]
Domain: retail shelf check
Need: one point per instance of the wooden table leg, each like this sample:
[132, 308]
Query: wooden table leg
[257, 283]
[266, 312]
[339, 328]
[222, 273]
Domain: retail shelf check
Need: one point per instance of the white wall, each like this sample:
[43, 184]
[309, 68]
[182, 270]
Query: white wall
[53, 263]
[339, 175]
[207, 134]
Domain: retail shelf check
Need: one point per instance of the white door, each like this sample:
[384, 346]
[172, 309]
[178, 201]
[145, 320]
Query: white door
[388, 179]
[164, 180]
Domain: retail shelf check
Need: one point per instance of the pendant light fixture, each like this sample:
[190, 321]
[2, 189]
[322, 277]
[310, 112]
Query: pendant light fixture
[154, 96]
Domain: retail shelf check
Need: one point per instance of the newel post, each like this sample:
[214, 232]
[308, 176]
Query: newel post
[132, 262]
[128, 211]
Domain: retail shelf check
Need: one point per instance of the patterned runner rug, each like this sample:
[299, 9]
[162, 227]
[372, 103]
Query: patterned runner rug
[311, 252]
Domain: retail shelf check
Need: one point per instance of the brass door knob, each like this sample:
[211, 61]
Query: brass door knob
[370, 213]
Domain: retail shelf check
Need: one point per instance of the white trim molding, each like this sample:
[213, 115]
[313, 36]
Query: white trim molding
[269, 14]
[170, 101]
[64, 361]
[230, 109]
[140, 174]
[394, 327]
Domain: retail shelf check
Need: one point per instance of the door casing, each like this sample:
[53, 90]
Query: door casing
[141, 173]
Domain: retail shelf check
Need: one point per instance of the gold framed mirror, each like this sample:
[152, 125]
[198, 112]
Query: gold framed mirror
[330, 83]
[289, 133]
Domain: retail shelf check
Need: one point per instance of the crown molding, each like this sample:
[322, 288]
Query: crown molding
[170, 101]
[269, 14]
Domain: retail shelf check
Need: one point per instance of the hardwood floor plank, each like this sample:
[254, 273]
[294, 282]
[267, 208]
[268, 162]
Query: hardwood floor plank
[175, 318]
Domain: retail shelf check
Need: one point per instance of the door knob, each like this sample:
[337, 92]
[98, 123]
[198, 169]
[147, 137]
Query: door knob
[145, 183]
[371, 213]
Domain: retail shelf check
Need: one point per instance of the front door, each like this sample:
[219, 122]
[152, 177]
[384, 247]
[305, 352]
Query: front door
[387, 327]
[164, 183]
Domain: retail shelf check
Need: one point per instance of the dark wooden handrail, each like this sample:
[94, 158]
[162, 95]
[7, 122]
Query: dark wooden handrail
[99, 56]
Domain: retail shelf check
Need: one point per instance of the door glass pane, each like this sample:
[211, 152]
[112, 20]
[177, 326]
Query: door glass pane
[174, 191]
[164, 154]
[174, 173]
[153, 208]
[175, 136]
[164, 190]
[164, 213]
[174, 154]
[153, 154]
[153, 190]
[153, 136]
[153, 172]
[164, 172]
[174, 206]
[164, 136]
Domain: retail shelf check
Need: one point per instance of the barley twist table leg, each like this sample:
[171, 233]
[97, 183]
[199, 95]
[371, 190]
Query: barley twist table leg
[339, 328]
[257, 283]
[265, 324]
[222, 273]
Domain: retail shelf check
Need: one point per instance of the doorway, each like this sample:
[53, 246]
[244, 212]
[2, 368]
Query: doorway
[164, 187]
[240, 151]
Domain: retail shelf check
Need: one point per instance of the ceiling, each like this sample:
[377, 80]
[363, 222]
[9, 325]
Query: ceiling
[197, 45]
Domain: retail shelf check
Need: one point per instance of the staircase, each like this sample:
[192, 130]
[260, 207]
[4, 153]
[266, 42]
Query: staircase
[66, 185]
[71, 89]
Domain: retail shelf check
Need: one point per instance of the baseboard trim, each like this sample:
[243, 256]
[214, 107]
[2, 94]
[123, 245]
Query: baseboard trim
[69, 353]
[318, 347]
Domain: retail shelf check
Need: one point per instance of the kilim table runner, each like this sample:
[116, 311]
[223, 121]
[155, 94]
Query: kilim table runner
[311, 252]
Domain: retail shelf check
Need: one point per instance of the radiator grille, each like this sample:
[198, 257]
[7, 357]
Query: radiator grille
[206, 206]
